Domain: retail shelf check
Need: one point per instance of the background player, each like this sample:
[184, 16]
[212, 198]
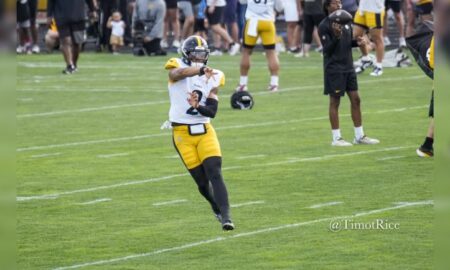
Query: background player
[339, 74]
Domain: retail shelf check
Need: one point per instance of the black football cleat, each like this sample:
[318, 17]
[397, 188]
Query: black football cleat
[227, 225]
[424, 152]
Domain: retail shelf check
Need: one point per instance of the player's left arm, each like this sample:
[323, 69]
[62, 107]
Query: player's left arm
[211, 105]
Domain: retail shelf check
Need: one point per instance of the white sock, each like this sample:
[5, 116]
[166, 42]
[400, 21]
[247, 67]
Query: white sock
[365, 58]
[243, 80]
[273, 80]
[359, 132]
[336, 134]
[379, 65]
[402, 41]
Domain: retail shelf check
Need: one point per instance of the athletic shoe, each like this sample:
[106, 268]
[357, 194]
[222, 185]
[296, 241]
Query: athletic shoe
[302, 54]
[241, 87]
[234, 49]
[35, 49]
[164, 44]
[387, 41]
[424, 152]
[402, 43]
[364, 65]
[21, 49]
[272, 88]
[365, 140]
[227, 225]
[319, 49]
[377, 71]
[216, 53]
[176, 43]
[340, 142]
[293, 51]
[69, 70]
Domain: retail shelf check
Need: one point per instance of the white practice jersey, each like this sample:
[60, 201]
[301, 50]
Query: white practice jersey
[376, 6]
[262, 9]
[180, 110]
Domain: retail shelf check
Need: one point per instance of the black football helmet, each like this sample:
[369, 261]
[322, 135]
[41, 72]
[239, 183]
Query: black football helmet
[195, 49]
[242, 100]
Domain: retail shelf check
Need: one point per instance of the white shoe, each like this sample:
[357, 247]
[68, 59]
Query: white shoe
[21, 49]
[164, 44]
[241, 87]
[402, 43]
[377, 71]
[340, 142]
[216, 53]
[234, 49]
[301, 54]
[176, 43]
[387, 41]
[272, 88]
[365, 140]
[35, 49]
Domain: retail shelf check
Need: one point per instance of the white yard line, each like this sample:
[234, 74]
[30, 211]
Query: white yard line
[140, 137]
[389, 158]
[246, 203]
[324, 204]
[95, 201]
[251, 156]
[113, 155]
[91, 109]
[240, 235]
[169, 177]
[170, 202]
[46, 155]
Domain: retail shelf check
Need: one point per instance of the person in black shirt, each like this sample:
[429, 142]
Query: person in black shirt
[339, 74]
[70, 21]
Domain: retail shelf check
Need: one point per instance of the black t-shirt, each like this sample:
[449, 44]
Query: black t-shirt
[337, 53]
[65, 11]
[313, 7]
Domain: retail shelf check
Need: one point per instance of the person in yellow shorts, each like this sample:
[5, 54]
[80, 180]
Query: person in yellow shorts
[370, 18]
[193, 88]
[260, 17]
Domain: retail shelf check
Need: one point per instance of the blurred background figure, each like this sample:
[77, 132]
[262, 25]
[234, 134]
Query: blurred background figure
[312, 16]
[230, 19]
[117, 26]
[70, 21]
[292, 14]
[148, 16]
[23, 27]
[201, 23]
[421, 9]
[52, 37]
[396, 7]
[189, 9]
[32, 6]
[171, 25]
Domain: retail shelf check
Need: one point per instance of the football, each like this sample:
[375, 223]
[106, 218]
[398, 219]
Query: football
[341, 16]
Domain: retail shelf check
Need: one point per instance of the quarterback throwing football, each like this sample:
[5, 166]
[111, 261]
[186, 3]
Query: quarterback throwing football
[193, 88]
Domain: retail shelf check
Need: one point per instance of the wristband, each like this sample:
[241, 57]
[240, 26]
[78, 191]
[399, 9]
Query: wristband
[202, 71]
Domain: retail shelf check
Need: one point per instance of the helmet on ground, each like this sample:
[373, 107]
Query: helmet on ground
[195, 50]
[242, 100]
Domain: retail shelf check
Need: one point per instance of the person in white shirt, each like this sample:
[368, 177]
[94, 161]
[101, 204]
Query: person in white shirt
[117, 26]
[370, 18]
[193, 89]
[260, 17]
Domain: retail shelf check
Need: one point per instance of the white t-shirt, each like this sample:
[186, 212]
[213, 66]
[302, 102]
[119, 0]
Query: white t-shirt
[118, 28]
[219, 3]
[262, 9]
[376, 6]
[180, 109]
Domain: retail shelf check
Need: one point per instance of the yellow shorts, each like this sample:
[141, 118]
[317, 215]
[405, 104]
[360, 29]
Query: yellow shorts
[266, 30]
[194, 149]
[369, 20]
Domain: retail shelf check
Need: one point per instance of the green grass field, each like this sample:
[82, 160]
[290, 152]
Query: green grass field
[92, 162]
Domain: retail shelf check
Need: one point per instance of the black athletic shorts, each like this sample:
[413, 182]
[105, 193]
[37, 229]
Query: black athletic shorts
[199, 25]
[336, 84]
[171, 4]
[216, 17]
[23, 12]
[72, 29]
[32, 4]
[395, 5]
[424, 9]
[431, 109]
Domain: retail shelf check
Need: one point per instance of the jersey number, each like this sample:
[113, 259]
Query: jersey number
[191, 110]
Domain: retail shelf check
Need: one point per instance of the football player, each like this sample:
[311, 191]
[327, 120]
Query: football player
[260, 17]
[193, 88]
[339, 75]
[370, 18]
